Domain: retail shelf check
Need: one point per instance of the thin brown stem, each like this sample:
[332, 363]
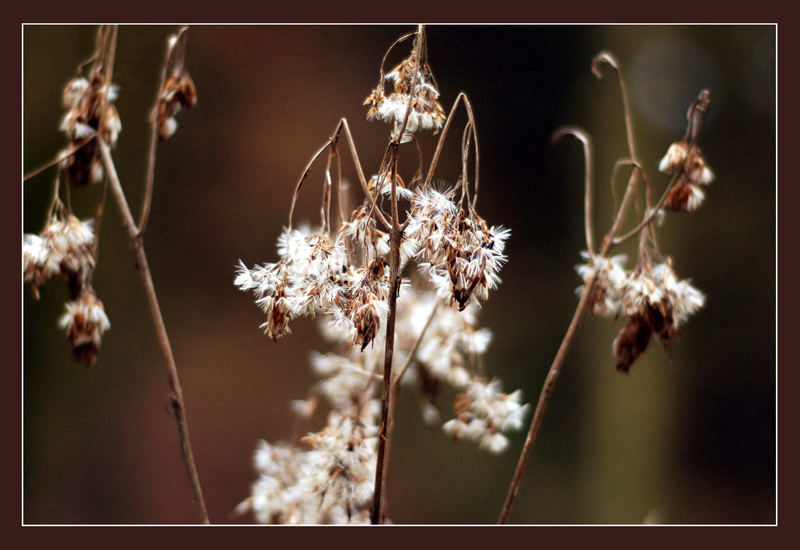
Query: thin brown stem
[461, 98]
[172, 42]
[395, 236]
[178, 407]
[332, 142]
[555, 367]
[98, 219]
[413, 353]
[649, 215]
[607, 57]
[544, 398]
[583, 137]
[63, 155]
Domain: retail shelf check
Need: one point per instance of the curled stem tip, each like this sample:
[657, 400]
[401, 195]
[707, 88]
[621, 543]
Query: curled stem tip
[603, 57]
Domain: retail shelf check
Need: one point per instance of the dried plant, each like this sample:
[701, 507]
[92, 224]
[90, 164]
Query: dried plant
[69, 247]
[396, 283]
[351, 277]
[650, 297]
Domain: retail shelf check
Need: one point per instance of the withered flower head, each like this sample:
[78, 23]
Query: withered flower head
[85, 321]
[63, 248]
[456, 245]
[90, 110]
[656, 303]
[179, 92]
[685, 160]
[412, 83]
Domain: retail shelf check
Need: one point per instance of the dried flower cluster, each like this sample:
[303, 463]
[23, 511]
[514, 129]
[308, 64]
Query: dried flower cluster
[90, 111]
[328, 478]
[483, 412]
[412, 84]
[342, 277]
[686, 163]
[177, 92]
[456, 246]
[85, 321]
[63, 249]
[650, 296]
[653, 300]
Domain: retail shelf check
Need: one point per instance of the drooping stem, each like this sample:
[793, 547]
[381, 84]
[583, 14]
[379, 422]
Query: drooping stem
[177, 403]
[583, 137]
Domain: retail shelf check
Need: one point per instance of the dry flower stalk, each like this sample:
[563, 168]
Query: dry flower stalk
[650, 296]
[68, 247]
[350, 279]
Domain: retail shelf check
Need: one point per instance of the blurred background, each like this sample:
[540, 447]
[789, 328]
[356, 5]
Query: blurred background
[689, 439]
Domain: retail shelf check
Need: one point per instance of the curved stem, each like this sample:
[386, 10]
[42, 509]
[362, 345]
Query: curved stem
[178, 407]
[583, 137]
[462, 97]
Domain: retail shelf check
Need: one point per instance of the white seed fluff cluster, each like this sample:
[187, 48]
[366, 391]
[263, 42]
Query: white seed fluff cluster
[653, 301]
[660, 288]
[312, 275]
[483, 413]
[63, 248]
[426, 111]
[85, 321]
[692, 171]
[608, 286]
[329, 480]
[90, 109]
[459, 246]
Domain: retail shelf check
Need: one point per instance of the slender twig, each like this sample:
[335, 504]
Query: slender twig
[413, 353]
[649, 215]
[607, 57]
[555, 367]
[583, 137]
[177, 403]
[460, 98]
[172, 42]
[394, 277]
[395, 236]
[341, 126]
[63, 155]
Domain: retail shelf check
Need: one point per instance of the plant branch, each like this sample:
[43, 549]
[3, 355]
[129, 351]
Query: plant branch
[555, 367]
[177, 403]
[583, 137]
[413, 353]
[395, 235]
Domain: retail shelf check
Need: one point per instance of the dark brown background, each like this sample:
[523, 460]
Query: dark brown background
[688, 442]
